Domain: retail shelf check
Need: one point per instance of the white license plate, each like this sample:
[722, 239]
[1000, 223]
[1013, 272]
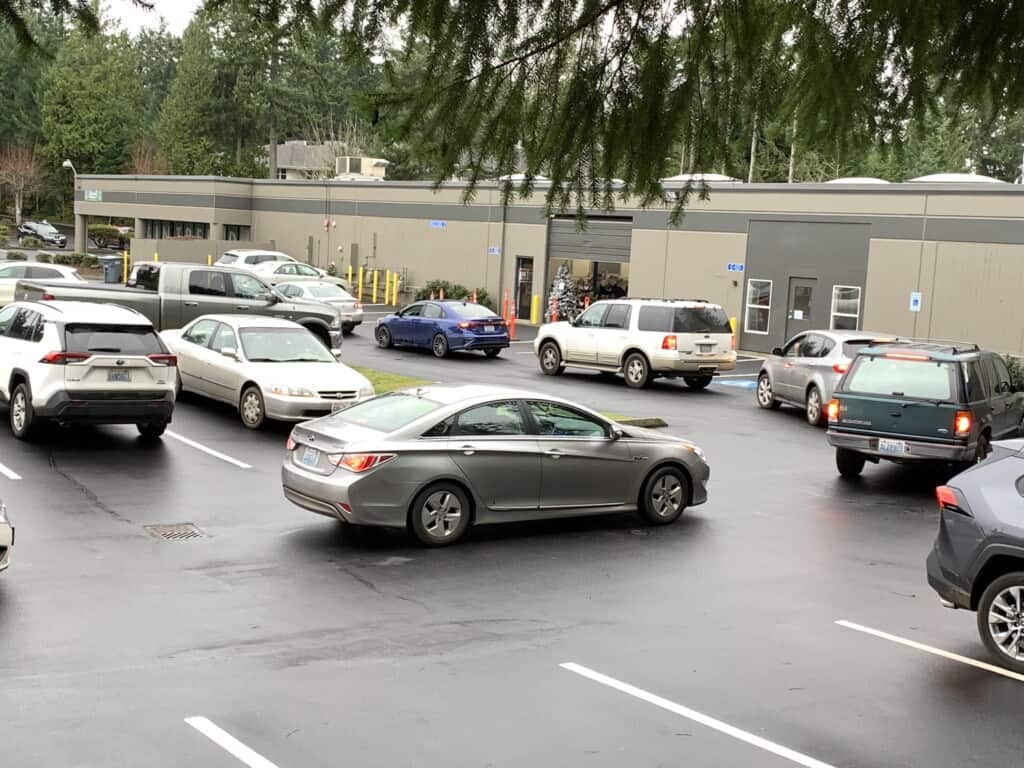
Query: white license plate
[488, 329]
[310, 456]
[897, 447]
[705, 348]
[118, 375]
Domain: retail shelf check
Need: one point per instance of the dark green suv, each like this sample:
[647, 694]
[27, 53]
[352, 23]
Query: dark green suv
[922, 402]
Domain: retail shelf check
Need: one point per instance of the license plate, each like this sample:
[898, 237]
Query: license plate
[705, 348]
[310, 456]
[892, 446]
[118, 375]
[488, 329]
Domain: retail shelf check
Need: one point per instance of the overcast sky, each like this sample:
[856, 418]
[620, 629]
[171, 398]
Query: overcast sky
[177, 14]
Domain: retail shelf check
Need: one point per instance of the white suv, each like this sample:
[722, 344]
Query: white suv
[642, 339]
[247, 258]
[76, 362]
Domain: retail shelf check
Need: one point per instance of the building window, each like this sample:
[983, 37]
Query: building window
[845, 308]
[282, 173]
[162, 230]
[759, 306]
[236, 232]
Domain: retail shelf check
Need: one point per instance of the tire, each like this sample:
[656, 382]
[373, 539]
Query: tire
[492, 352]
[346, 330]
[665, 496]
[439, 345]
[764, 395]
[383, 336]
[151, 430]
[812, 407]
[22, 415]
[849, 463]
[697, 382]
[999, 600]
[324, 336]
[983, 449]
[636, 370]
[550, 358]
[433, 527]
[251, 408]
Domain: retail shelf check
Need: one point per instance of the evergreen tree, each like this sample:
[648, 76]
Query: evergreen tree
[157, 52]
[564, 296]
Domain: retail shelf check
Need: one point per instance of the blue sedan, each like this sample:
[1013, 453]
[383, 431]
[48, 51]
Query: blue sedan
[443, 326]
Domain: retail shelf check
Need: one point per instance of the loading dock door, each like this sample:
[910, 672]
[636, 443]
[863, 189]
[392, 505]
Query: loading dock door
[606, 240]
[799, 305]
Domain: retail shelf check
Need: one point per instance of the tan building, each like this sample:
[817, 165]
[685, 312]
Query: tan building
[929, 260]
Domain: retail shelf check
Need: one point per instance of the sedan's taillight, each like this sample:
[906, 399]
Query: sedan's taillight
[63, 358]
[951, 499]
[359, 462]
[169, 360]
[289, 444]
[841, 367]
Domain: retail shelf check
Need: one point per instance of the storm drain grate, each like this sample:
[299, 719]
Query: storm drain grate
[175, 532]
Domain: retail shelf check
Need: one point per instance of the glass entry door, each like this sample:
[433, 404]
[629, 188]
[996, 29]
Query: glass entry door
[801, 301]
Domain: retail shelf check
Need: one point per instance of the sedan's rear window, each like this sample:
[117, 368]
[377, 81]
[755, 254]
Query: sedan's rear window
[112, 339]
[898, 377]
[227, 258]
[387, 412]
[471, 310]
[668, 319]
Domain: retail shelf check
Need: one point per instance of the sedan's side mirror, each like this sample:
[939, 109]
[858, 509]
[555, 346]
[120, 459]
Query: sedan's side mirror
[336, 352]
[229, 352]
[777, 351]
[617, 433]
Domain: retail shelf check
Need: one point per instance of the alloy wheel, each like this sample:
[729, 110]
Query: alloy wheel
[635, 370]
[548, 358]
[1006, 622]
[764, 392]
[441, 514]
[18, 411]
[814, 406]
[666, 496]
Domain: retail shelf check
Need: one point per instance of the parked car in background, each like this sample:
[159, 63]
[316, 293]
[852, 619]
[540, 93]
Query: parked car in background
[804, 373]
[172, 295]
[247, 258]
[44, 231]
[437, 459]
[266, 367]
[443, 327]
[13, 271]
[77, 362]
[977, 563]
[6, 537]
[277, 271]
[922, 402]
[330, 293]
[642, 339]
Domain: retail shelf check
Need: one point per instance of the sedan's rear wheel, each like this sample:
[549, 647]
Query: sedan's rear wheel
[439, 346]
[1001, 620]
[383, 337]
[813, 407]
[492, 352]
[665, 496]
[250, 407]
[440, 515]
[765, 397]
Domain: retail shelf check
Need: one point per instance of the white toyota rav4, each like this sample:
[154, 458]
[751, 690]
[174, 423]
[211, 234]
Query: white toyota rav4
[642, 339]
[76, 362]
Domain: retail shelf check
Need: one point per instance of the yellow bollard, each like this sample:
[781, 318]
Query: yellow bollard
[359, 295]
[209, 259]
[394, 299]
[732, 324]
[375, 285]
[156, 256]
[534, 309]
[350, 274]
[387, 285]
[124, 267]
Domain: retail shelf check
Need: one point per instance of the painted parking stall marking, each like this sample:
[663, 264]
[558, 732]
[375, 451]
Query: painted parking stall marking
[932, 650]
[208, 451]
[9, 473]
[229, 743]
[690, 714]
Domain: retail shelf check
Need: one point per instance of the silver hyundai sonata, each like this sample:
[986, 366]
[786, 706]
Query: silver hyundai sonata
[438, 459]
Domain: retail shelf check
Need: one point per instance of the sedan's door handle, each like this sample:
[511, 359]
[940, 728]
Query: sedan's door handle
[242, 307]
[554, 453]
[468, 450]
[191, 303]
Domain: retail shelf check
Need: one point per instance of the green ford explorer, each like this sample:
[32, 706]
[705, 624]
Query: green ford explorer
[922, 402]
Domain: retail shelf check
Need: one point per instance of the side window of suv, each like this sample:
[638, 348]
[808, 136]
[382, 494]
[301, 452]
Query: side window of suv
[593, 317]
[23, 326]
[6, 315]
[617, 316]
[813, 346]
[999, 373]
[977, 388]
[795, 347]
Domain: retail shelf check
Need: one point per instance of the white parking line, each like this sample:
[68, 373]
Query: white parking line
[934, 651]
[697, 717]
[210, 451]
[735, 375]
[229, 743]
[9, 473]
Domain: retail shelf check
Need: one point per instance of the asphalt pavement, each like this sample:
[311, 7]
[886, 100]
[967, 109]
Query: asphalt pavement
[275, 638]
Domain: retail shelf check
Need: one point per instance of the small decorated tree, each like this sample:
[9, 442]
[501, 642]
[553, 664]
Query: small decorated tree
[564, 298]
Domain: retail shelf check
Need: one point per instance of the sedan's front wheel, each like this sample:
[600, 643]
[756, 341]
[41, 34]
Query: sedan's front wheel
[665, 496]
[1001, 620]
[383, 337]
[250, 407]
[440, 515]
[765, 397]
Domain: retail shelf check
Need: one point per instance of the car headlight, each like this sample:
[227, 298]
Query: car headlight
[697, 451]
[292, 391]
[3, 513]
[366, 391]
[336, 322]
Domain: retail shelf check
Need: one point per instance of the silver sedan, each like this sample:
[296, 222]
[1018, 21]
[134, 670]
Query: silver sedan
[348, 306]
[269, 368]
[6, 538]
[807, 370]
[437, 459]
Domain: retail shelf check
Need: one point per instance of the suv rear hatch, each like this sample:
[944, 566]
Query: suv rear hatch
[115, 360]
[904, 394]
[701, 329]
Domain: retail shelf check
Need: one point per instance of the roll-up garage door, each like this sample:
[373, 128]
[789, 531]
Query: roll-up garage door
[604, 239]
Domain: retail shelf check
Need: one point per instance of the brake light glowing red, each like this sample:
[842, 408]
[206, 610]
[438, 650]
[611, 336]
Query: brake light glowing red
[463, 325]
[962, 423]
[833, 409]
[841, 367]
[359, 462]
[170, 361]
[46, 297]
[906, 356]
[289, 444]
[63, 358]
[670, 342]
[946, 497]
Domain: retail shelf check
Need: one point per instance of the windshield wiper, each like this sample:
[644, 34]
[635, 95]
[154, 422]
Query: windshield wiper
[265, 360]
[307, 360]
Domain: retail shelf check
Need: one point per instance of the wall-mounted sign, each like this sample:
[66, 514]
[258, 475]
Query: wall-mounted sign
[915, 301]
[435, 224]
[94, 195]
[493, 250]
[733, 266]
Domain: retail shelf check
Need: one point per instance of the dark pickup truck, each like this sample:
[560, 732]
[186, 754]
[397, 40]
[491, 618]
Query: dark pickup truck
[172, 294]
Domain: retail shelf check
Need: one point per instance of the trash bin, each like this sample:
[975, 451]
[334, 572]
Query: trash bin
[112, 266]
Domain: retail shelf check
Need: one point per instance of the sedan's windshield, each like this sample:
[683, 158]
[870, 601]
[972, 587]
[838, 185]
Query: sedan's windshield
[46, 229]
[283, 345]
[387, 412]
[227, 258]
[328, 291]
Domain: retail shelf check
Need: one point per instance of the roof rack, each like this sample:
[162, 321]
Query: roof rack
[951, 346]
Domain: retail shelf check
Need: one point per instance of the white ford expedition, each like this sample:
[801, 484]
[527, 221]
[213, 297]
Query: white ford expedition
[75, 362]
[642, 339]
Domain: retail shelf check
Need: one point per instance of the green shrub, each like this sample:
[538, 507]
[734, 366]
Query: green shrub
[332, 269]
[44, 258]
[108, 236]
[30, 241]
[88, 261]
[455, 291]
[62, 258]
[16, 256]
[1015, 365]
[3, 232]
